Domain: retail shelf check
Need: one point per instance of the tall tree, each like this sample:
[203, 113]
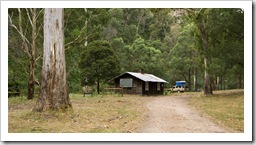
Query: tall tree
[29, 39]
[201, 21]
[200, 18]
[221, 44]
[143, 56]
[98, 63]
[54, 89]
[227, 39]
[184, 56]
[160, 27]
[75, 31]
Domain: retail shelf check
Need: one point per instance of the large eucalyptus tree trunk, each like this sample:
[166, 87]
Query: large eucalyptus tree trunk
[201, 22]
[207, 83]
[54, 90]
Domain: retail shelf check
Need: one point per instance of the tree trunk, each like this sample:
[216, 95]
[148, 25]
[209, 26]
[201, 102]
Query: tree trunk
[138, 25]
[224, 84]
[221, 82]
[204, 37]
[195, 81]
[98, 86]
[207, 86]
[240, 81]
[189, 79]
[54, 89]
[31, 79]
[207, 80]
[32, 62]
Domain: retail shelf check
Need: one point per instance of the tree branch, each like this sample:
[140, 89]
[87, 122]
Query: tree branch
[25, 41]
[85, 26]
[76, 37]
[22, 66]
[38, 57]
[38, 14]
[67, 18]
[15, 27]
[29, 18]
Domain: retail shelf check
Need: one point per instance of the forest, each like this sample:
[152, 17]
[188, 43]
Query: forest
[204, 47]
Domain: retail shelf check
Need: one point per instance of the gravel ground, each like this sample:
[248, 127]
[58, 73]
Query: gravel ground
[173, 114]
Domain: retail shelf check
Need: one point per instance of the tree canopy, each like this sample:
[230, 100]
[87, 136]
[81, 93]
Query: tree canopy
[204, 47]
[98, 63]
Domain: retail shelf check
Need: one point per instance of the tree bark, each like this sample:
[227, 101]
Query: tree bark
[221, 82]
[54, 89]
[240, 82]
[207, 81]
[31, 79]
[32, 62]
[195, 81]
[207, 85]
[217, 83]
[189, 79]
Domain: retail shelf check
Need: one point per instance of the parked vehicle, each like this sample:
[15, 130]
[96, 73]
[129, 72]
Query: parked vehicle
[179, 87]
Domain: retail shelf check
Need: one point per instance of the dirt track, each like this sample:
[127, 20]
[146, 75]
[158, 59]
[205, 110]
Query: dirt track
[173, 114]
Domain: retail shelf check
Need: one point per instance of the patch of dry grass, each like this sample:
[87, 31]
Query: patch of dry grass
[108, 113]
[225, 107]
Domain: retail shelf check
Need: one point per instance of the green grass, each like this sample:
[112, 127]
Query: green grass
[224, 107]
[90, 114]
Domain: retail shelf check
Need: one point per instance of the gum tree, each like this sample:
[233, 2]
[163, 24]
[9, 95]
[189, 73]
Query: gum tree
[54, 89]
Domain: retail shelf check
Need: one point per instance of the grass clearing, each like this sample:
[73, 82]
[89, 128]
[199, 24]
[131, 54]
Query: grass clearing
[90, 114]
[111, 113]
[225, 107]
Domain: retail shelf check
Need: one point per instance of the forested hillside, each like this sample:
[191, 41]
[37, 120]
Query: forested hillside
[204, 47]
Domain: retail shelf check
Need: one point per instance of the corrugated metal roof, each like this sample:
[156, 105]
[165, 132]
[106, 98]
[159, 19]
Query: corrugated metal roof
[145, 77]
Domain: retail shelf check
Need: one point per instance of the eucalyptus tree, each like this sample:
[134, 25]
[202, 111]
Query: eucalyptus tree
[227, 37]
[54, 89]
[160, 26]
[143, 56]
[97, 21]
[221, 42]
[28, 23]
[75, 27]
[185, 60]
[200, 18]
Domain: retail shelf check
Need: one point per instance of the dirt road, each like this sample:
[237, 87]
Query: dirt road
[173, 114]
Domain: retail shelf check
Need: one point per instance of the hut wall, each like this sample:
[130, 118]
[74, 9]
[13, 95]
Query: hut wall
[139, 86]
[153, 88]
[136, 84]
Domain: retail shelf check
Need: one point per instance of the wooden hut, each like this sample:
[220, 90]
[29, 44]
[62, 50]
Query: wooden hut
[139, 83]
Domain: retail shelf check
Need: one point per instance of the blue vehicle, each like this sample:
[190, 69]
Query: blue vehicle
[180, 83]
[179, 87]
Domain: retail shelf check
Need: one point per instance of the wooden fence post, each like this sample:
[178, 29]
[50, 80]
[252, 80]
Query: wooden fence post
[21, 96]
[122, 90]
